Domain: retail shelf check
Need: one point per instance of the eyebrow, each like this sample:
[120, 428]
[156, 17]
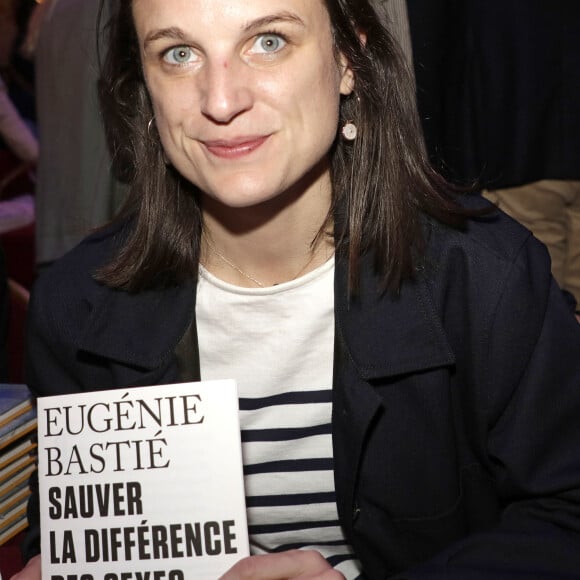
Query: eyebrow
[176, 33]
[172, 32]
[274, 19]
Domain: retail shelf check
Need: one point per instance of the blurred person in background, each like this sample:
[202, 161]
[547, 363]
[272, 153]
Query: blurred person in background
[75, 191]
[16, 65]
[14, 131]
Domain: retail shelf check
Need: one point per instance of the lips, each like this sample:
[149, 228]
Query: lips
[235, 148]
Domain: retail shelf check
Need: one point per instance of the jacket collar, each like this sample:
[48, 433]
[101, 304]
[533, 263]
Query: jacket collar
[141, 329]
[386, 334]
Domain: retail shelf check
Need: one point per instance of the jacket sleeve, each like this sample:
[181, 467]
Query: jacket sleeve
[49, 358]
[533, 436]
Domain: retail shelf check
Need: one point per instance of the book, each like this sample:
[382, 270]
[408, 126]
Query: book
[16, 480]
[15, 466]
[13, 529]
[14, 496]
[13, 514]
[145, 480]
[17, 449]
[19, 427]
[14, 400]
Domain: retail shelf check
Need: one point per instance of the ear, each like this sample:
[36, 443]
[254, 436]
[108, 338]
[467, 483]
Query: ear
[347, 81]
[347, 78]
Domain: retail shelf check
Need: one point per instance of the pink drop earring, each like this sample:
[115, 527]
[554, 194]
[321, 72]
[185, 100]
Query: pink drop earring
[349, 131]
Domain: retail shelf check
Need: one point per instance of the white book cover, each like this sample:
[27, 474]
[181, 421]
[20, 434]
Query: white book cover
[142, 483]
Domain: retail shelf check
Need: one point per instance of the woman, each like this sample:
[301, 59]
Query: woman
[285, 229]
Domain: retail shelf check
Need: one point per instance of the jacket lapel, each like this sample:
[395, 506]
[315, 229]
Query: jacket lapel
[141, 329]
[385, 334]
[378, 335]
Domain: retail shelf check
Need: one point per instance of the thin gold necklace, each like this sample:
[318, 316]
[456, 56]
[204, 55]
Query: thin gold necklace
[248, 276]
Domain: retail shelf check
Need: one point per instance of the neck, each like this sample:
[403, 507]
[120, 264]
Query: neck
[267, 244]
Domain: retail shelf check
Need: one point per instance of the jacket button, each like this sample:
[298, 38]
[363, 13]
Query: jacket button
[355, 512]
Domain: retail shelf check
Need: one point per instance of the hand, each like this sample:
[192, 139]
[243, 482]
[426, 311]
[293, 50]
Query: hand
[295, 564]
[30, 572]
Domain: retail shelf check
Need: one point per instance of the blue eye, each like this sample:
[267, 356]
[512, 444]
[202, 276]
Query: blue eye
[179, 55]
[268, 43]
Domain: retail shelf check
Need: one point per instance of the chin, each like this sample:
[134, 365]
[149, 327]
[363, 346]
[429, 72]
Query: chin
[244, 200]
[236, 194]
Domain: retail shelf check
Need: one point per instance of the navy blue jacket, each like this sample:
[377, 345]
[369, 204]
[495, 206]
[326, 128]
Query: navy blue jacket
[456, 415]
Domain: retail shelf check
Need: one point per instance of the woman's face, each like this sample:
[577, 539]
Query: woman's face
[245, 92]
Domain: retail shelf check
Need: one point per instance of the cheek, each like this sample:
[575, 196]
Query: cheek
[321, 100]
[324, 85]
[169, 101]
[312, 99]
[172, 121]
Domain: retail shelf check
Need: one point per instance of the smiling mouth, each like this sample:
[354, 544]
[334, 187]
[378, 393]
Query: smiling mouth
[235, 148]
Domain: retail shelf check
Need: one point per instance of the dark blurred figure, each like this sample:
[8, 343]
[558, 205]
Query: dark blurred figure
[499, 92]
[15, 134]
[16, 65]
[75, 190]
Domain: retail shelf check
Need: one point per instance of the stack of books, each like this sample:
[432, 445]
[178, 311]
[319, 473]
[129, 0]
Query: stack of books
[17, 457]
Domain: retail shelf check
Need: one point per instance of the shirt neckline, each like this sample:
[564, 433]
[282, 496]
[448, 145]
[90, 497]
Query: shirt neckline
[269, 290]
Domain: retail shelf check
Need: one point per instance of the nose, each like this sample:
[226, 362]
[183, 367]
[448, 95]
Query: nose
[226, 90]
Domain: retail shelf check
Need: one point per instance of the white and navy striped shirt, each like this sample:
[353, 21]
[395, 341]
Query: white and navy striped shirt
[278, 344]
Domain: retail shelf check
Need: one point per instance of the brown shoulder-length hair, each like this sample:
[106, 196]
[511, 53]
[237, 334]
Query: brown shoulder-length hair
[382, 182]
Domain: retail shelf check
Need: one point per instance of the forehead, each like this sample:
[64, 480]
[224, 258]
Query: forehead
[217, 16]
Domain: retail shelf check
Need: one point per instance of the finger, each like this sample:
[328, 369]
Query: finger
[295, 564]
[30, 572]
